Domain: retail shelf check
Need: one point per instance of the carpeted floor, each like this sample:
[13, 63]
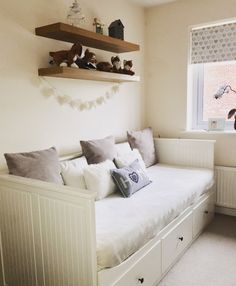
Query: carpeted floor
[211, 260]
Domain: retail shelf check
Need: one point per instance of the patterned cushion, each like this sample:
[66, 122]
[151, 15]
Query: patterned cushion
[130, 179]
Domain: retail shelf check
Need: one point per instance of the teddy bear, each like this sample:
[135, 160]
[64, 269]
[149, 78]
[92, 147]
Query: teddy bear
[116, 64]
[127, 67]
[104, 66]
[67, 57]
[88, 61]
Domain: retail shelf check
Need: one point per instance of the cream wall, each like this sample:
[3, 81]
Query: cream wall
[167, 54]
[30, 119]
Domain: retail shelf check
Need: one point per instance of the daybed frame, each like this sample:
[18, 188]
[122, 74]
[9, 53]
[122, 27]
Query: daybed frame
[48, 231]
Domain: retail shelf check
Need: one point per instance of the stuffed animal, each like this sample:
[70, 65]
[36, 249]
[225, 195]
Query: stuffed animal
[104, 66]
[127, 68]
[67, 58]
[88, 61]
[116, 64]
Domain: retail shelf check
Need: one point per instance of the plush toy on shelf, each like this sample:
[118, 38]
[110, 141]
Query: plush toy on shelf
[67, 58]
[127, 67]
[104, 66]
[88, 61]
[116, 64]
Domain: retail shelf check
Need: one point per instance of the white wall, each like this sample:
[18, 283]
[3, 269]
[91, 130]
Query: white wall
[167, 54]
[29, 119]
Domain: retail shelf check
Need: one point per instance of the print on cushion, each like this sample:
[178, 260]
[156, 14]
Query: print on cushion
[134, 177]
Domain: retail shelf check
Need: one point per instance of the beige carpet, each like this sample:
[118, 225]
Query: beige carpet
[211, 260]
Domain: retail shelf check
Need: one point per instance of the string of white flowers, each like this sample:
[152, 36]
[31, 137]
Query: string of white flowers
[49, 90]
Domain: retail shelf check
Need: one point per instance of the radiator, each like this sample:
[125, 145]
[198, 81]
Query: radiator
[226, 186]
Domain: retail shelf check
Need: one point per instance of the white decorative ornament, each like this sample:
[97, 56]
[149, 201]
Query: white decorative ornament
[49, 90]
[74, 16]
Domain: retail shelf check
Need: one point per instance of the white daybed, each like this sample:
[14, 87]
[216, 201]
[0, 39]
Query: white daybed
[51, 237]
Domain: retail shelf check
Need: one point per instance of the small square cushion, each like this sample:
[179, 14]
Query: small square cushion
[98, 178]
[143, 141]
[122, 148]
[40, 165]
[130, 179]
[97, 151]
[72, 172]
[126, 159]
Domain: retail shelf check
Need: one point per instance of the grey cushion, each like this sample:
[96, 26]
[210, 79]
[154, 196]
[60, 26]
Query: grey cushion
[143, 141]
[130, 179]
[97, 151]
[40, 165]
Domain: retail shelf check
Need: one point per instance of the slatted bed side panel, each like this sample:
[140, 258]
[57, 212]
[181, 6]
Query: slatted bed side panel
[185, 152]
[48, 235]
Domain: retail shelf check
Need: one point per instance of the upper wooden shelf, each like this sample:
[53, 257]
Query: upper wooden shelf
[72, 34]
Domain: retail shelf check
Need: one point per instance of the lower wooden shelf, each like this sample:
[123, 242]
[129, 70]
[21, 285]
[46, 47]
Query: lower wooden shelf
[74, 73]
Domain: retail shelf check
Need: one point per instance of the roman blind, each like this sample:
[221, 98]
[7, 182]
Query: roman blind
[213, 44]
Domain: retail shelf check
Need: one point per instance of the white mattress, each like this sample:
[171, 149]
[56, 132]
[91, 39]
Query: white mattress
[124, 225]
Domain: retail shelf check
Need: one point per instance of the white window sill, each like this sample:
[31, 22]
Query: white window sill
[203, 131]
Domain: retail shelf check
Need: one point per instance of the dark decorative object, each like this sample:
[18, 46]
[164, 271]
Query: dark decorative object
[224, 90]
[127, 68]
[116, 30]
[98, 26]
[67, 58]
[104, 66]
[88, 61]
[116, 64]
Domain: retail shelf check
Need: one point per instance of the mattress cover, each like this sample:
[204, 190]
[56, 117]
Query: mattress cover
[124, 225]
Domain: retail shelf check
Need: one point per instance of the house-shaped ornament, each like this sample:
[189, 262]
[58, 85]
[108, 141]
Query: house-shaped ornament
[116, 30]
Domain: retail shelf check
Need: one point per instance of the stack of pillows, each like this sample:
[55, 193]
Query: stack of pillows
[103, 168]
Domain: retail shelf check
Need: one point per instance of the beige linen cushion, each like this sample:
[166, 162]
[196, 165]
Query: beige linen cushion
[40, 165]
[143, 141]
[97, 151]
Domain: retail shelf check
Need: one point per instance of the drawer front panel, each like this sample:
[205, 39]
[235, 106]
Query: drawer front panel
[175, 241]
[203, 214]
[146, 271]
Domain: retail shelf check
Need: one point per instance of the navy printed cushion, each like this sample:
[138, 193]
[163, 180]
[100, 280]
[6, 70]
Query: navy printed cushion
[130, 179]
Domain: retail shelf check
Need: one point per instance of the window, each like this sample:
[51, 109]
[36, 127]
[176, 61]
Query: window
[212, 74]
[207, 80]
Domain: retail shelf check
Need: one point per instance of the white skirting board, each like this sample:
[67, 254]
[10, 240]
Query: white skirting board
[225, 211]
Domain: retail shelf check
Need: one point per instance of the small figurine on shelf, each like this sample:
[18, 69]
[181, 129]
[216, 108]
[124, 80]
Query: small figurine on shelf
[88, 61]
[98, 26]
[74, 16]
[116, 64]
[116, 30]
[127, 68]
[67, 58]
[104, 66]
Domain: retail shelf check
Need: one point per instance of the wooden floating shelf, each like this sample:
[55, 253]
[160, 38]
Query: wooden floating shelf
[72, 34]
[74, 73]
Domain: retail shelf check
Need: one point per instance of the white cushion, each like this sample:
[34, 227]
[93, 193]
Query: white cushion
[72, 172]
[122, 148]
[126, 159]
[98, 178]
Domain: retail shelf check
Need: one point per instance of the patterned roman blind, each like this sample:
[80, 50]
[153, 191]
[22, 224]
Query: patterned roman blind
[213, 44]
